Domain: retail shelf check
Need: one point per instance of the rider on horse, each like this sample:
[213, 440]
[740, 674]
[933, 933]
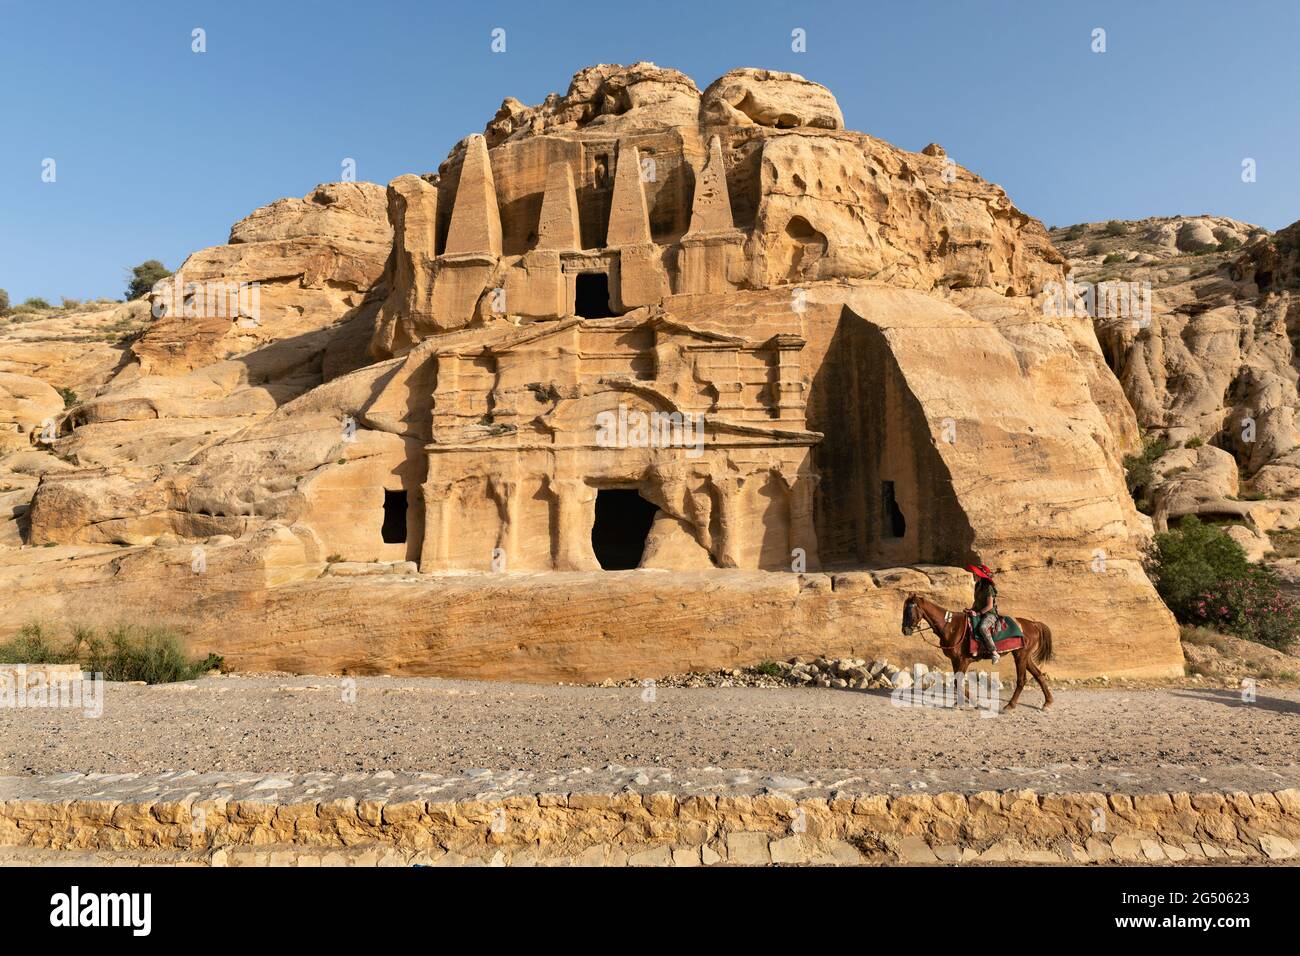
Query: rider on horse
[985, 608]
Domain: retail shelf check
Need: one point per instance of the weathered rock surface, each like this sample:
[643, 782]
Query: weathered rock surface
[427, 364]
[768, 98]
[312, 260]
[1215, 360]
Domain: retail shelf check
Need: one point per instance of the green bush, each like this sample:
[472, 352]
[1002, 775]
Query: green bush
[1191, 559]
[1139, 471]
[1113, 257]
[69, 397]
[33, 304]
[144, 276]
[125, 652]
[1075, 232]
[1096, 247]
[34, 646]
[767, 669]
[1194, 443]
[1205, 579]
[1116, 228]
[4, 302]
[1231, 244]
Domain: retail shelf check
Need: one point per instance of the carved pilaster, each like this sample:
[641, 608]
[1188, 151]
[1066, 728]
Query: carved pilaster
[574, 504]
[730, 545]
[438, 517]
[800, 489]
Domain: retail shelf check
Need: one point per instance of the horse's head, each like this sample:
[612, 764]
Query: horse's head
[911, 615]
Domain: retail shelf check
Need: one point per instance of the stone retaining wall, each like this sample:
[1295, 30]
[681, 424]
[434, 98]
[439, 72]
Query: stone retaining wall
[664, 828]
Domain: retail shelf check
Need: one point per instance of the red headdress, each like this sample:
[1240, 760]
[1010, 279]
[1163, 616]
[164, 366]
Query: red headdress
[980, 571]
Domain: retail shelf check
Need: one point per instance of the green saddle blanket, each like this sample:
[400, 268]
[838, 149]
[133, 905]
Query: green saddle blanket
[1005, 629]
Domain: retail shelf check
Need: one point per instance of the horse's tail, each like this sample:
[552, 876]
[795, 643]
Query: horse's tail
[1044, 652]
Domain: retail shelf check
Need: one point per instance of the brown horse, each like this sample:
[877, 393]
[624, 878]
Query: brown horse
[950, 628]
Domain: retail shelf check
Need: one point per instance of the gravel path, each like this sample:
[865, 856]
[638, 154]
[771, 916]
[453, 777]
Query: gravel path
[1092, 739]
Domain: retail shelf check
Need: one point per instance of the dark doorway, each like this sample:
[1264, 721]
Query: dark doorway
[394, 529]
[591, 296]
[895, 523]
[623, 520]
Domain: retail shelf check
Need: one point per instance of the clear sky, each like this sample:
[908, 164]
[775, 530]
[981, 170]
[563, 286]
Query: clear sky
[158, 149]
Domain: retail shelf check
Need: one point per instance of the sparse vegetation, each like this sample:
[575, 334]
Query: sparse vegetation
[33, 304]
[1077, 231]
[1096, 247]
[1286, 544]
[1116, 228]
[766, 669]
[1194, 443]
[124, 652]
[33, 646]
[69, 397]
[1113, 257]
[4, 302]
[1139, 471]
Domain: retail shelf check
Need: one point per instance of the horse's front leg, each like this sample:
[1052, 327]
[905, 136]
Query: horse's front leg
[1021, 679]
[960, 666]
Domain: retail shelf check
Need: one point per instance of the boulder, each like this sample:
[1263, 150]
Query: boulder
[747, 96]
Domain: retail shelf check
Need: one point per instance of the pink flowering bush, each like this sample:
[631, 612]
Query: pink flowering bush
[1204, 577]
[1251, 607]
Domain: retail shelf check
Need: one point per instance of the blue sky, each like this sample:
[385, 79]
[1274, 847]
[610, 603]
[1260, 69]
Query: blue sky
[160, 149]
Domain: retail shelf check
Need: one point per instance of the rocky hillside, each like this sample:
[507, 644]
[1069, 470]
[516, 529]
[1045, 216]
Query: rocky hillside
[1212, 376]
[230, 464]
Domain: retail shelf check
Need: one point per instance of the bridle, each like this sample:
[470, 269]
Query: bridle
[922, 624]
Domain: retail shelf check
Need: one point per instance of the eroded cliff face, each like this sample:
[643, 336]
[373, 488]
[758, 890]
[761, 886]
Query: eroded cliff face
[1211, 371]
[859, 328]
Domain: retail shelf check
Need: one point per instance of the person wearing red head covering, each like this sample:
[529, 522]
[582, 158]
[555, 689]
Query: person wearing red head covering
[985, 608]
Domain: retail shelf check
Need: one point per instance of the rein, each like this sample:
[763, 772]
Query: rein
[924, 625]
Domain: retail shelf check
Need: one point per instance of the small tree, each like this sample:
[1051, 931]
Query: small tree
[143, 278]
[4, 302]
[1139, 471]
[1192, 559]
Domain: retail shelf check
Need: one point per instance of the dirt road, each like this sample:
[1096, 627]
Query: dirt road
[1101, 739]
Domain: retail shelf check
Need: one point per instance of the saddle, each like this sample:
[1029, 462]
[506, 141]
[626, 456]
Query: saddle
[1007, 636]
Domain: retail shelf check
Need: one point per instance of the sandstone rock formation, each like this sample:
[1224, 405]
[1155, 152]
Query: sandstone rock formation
[632, 327]
[1213, 365]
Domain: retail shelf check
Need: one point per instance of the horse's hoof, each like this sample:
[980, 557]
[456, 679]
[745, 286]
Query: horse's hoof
[1047, 706]
[1008, 707]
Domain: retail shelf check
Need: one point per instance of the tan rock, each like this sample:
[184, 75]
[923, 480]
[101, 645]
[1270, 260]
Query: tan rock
[26, 403]
[768, 98]
[630, 329]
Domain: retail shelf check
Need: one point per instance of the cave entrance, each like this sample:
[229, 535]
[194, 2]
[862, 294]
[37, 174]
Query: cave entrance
[591, 295]
[623, 520]
[394, 527]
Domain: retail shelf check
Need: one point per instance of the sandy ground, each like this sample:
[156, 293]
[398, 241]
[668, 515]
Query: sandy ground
[1126, 738]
